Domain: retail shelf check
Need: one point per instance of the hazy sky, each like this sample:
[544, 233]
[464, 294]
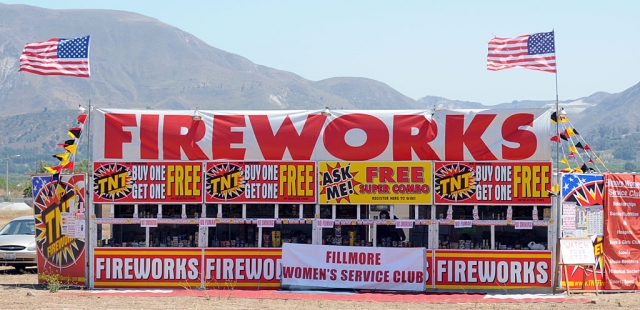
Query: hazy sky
[419, 48]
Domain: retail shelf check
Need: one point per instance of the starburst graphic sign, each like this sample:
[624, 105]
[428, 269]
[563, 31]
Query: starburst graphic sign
[585, 192]
[150, 182]
[59, 251]
[496, 183]
[375, 182]
[260, 182]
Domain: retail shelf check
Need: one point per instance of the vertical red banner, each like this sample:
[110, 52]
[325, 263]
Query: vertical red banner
[622, 231]
[59, 207]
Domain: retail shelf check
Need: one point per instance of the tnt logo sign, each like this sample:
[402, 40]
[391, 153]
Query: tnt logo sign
[225, 181]
[455, 182]
[338, 182]
[50, 203]
[112, 181]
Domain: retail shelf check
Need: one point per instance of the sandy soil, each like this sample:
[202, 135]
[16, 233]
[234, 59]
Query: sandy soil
[19, 290]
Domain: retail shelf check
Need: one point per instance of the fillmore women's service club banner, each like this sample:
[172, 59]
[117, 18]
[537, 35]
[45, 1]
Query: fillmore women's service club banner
[504, 183]
[622, 231]
[401, 269]
[152, 182]
[59, 206]
[375, 182]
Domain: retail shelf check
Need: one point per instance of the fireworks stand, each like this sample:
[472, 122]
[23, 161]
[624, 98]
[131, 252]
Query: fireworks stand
[170, 208]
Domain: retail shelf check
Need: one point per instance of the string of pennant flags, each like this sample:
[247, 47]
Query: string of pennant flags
[586, 161]
[68, 156]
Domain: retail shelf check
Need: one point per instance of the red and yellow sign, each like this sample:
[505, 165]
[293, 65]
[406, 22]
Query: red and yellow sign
[506, 183]
[59, 206]
[260, 182]
[242, 268]
[458, 269]
[375, 182]
[151, 182]
[182, 268]
[153, 267]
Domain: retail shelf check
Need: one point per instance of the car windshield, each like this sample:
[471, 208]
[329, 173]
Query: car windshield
[21, 227]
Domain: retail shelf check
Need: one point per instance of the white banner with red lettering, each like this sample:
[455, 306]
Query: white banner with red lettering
[321, 266]
[342, 135]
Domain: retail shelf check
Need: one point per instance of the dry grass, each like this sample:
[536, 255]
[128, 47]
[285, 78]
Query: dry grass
[8, 215]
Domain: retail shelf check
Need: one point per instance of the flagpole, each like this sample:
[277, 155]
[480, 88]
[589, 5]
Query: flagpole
[89, 208]
[558, 195]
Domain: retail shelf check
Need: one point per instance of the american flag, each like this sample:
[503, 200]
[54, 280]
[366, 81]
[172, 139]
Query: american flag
[535, 52]
[57, 56]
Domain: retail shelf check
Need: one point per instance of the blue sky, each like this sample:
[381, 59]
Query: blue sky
[420, 48]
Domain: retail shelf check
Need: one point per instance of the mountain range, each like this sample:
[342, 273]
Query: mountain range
[140, 62]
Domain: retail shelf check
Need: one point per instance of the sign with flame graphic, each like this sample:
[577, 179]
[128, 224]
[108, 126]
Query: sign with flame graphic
[504, 183]
[147, 182]
[59, 207]
[260, 182]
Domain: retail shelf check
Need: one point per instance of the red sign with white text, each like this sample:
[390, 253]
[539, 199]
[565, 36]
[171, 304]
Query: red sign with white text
[257, 268]
[342, 135]
[622, 231]
[142, 182]
[502, 183]
[151, 267]
[260, 182]
[456, 269]
[185, 268]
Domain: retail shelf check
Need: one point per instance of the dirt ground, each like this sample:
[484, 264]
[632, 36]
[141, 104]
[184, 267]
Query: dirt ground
[20, 290]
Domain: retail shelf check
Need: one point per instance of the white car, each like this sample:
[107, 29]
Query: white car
[18, 243]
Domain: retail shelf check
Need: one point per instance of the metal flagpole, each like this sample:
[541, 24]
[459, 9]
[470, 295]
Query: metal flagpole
[89, 208]
[558, 196]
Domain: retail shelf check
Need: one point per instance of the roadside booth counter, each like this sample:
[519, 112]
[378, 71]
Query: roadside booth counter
[148, 225]
[493, 227]
[344, 225]
[358, 225]
[238, 225]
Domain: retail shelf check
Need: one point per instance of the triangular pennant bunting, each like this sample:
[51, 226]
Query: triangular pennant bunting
[82, 118]
[75, 132]
[67, 143]
[62, 156]
[71, 148]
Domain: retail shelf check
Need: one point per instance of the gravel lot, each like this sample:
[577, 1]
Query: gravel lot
[19, 290]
